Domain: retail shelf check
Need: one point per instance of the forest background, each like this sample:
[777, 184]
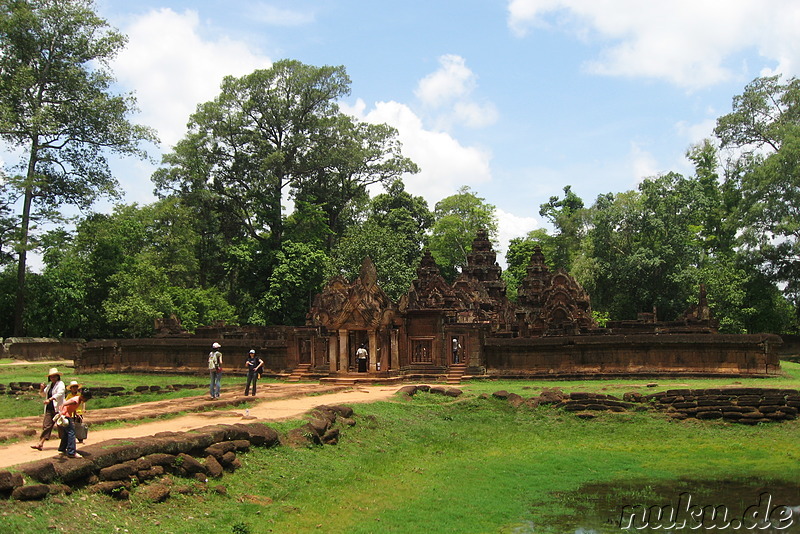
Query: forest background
[272, 191]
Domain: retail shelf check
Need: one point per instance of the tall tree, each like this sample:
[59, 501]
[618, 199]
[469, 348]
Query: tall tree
[568, 217]
[403, 214]
[57, 107]
[457, 220]
[277, 133]
[763, 129]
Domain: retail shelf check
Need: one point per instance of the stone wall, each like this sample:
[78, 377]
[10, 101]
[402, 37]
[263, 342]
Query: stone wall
[739, 405]
[555, 357]
[40, 349]
[178, 355]
[635, 355]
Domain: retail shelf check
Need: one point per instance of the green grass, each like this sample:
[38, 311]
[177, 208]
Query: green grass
[434, 464]
[30, 403]
[789, 379]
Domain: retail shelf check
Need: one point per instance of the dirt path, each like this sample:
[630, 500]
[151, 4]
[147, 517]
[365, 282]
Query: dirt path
[280, 402]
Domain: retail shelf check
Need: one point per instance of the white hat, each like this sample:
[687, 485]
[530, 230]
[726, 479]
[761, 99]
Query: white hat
[53, 371]
[216, 346]
[73, 383]
[252, 351]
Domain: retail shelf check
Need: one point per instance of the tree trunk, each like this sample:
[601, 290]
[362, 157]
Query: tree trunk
[19, 305]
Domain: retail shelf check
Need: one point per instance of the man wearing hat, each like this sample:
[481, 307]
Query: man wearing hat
[253, 365]
[53, 393]
[215, 369]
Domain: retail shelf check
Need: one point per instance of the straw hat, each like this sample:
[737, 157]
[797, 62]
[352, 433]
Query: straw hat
[73, 383]
[53, 371]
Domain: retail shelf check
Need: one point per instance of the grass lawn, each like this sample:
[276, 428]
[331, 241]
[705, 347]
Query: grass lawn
[31, 404]
[437, 464]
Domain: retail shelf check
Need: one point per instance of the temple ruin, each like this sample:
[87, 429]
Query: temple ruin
[467, 329]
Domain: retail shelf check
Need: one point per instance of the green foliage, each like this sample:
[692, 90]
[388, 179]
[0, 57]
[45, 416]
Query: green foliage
[120, 272]
[457, 219]
[403, 214]
[298, 275]
[394, 255]
[568, 217]
[601, 318]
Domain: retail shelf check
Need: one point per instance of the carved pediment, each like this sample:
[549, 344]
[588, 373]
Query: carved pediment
[361, 304]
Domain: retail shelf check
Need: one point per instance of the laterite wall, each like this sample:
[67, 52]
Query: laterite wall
[643, 354]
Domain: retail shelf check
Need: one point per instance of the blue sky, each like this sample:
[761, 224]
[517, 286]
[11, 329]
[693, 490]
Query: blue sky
[515, 99]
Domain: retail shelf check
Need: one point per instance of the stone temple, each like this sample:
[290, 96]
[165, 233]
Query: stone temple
[467, 329]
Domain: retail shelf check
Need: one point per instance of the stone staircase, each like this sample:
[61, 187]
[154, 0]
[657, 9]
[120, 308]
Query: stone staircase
[456, 372]
[299, 373]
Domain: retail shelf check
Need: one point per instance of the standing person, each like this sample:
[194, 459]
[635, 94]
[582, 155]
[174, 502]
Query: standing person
[53, 393]
[362, 356]
[73, 390]
[456, 348]
[215, 369]
[253, 365]
[68, 409]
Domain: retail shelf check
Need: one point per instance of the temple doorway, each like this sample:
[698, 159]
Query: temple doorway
[358, 361]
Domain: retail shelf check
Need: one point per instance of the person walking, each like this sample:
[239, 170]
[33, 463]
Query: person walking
[253, 365]
[68, 410]
[215, 369]
[73, 390]
[53, 393]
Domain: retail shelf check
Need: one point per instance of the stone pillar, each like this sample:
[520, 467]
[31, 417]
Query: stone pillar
[373, 351]
[333, 353]
[343, 351]
[384, 354]
[395, 348]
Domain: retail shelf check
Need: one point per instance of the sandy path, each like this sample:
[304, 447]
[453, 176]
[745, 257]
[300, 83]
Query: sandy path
[275, 410]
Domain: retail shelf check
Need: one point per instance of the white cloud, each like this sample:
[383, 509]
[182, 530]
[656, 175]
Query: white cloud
[475, 115]
[172, 68]
[453, 80]
[642, 164]
[686, 42]
[447, 93]
[510, 226]
[446, 164]
[694, 133]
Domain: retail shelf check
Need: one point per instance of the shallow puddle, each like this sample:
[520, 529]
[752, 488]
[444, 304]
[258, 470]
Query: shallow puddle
[747, 505]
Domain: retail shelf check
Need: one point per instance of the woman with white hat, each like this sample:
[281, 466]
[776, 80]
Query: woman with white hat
[53, 393]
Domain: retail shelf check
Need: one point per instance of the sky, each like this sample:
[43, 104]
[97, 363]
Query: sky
[513, 98]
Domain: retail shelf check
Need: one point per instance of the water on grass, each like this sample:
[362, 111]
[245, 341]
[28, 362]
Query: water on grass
[746, 505]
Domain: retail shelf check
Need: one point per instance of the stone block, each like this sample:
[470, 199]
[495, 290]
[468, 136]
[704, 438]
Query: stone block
[33, 492]
[9, 480]
[709, 415]
[190, 464]
[213, 467]
[123, 471]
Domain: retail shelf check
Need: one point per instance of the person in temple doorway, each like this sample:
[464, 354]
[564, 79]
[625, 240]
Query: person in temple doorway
[456, 351]
[362, 357]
